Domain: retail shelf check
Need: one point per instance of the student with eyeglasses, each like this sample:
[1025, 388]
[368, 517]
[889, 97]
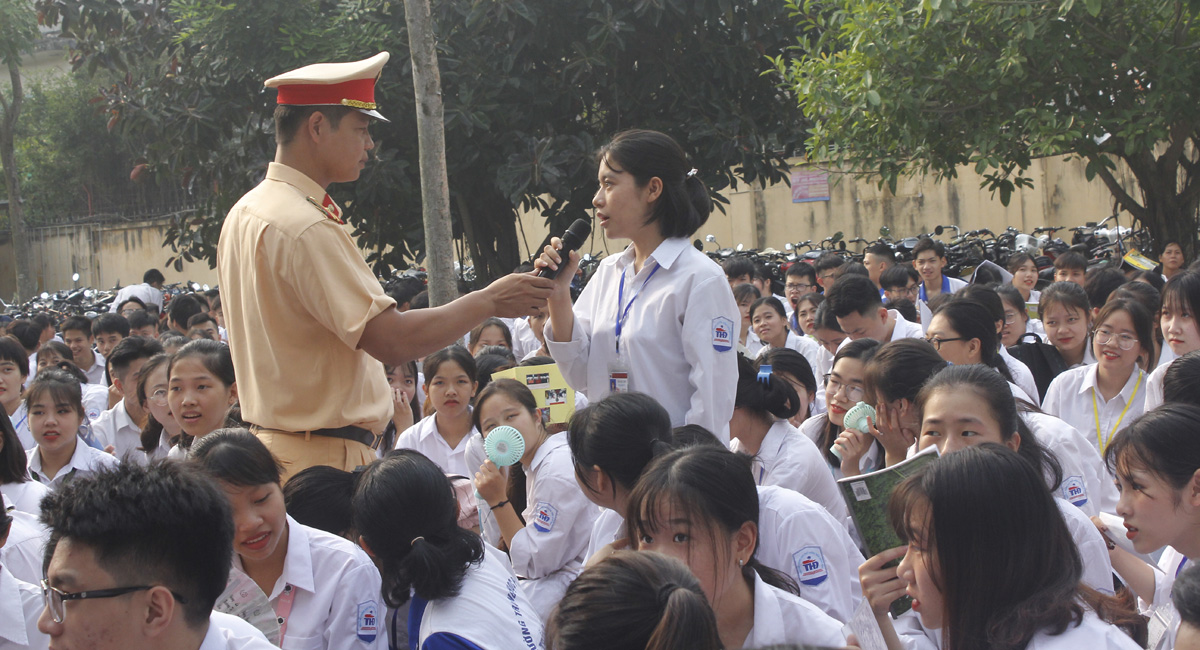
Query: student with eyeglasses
[859, 451]
[800, 280]
[1102, 398]
[137, 558]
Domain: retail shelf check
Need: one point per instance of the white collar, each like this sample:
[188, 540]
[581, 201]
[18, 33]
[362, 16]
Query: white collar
[1092, 376]
[80, 459]
[768, 617]
[551, 443]
[665, 255]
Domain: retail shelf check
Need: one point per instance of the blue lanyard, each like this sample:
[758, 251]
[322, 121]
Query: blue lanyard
[623, 314]
[1181, 565]
[945, 288]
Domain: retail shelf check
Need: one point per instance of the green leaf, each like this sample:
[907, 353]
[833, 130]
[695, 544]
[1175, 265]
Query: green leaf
[873, 98]
[1093, 7]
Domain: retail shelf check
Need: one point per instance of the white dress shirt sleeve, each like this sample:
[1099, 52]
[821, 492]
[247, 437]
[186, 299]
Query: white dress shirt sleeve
[713, 375]
[538, 550]
[359, 584]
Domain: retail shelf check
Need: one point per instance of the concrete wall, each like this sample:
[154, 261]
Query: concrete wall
[105, 254]
[1061, 196]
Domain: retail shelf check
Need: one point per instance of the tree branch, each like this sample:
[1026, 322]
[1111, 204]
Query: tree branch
[1180, 134]
[1123, 198]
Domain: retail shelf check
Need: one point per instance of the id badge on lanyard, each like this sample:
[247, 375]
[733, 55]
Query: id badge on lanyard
[619, 366]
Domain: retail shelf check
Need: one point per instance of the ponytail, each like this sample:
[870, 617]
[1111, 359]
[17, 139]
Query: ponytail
[634, 600]
[419, 546]
[772, 394]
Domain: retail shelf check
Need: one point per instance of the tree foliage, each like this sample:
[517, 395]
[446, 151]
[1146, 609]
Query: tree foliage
[900, 88]
[531, 87]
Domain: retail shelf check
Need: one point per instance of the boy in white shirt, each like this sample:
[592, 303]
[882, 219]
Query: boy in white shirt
[151, 548]
[119, 427]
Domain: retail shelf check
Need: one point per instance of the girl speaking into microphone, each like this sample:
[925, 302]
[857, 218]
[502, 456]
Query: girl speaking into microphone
[658, 318]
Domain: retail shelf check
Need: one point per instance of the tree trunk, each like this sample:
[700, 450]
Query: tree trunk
[489, 222]
[431, 136]
[26, 285]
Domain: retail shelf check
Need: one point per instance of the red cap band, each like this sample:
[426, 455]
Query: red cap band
[359, 90]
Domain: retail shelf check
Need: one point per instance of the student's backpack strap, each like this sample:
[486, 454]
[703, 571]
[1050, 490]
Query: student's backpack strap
[1042, 359]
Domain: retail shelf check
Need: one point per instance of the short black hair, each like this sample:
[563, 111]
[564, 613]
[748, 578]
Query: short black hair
[882, 251]
[684, 204]
[929, 244]
[159, 524]
[802, 270]
[1185, 595]
[153, 276]
[420, 301]
[26, 332]
[183, 308]
[855, 268]
[829, 260]
[200, 319]
[1070, 260]
[737, 266]
[110, 324]
[1100, 282]
[134, 299]
[906, 308]
[825, 320]
[319, 496]
[80, 323]
[852, 294]
[12, 350]
[403, 290]
[142, 319]
[237, 457]
[897, 277]
[288, 119]
[130, 349]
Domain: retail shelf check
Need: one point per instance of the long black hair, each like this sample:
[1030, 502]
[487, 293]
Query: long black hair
[418, 545]
[972, 320]
[236, 457]
[709, 486]
[980, 512]
[620, 434]
[994, 391]
[862, 350]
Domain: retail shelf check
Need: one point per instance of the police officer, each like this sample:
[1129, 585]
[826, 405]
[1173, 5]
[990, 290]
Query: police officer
[309, 325]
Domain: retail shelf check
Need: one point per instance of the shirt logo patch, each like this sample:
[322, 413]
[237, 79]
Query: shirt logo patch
[1074, 490]
[722, 334]
[810, 565]
[368, 621]
[544, 516]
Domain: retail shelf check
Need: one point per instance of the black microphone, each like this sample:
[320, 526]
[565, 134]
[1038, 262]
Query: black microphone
[571, 241]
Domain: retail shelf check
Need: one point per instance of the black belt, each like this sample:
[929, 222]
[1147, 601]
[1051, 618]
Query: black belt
[357, 434]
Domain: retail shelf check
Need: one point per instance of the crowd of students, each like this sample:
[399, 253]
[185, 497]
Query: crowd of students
[691, 501]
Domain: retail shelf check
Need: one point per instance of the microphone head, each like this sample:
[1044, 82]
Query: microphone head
[504, 446]
[576, 234]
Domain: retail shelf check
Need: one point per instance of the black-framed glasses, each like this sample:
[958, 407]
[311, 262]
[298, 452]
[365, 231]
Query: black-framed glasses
[796, 286]
[852, 393]
[937, 342]
[55, 598]
[904, 292]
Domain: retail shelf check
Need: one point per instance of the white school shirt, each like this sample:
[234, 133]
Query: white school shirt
[20, 422]
[1021, 376]
[1091, 634]
[424, 437]
[1093, 550]
[680, 337]
[95, 374]
[1086, 481]
[337, 605]
[549, 551]
[799, 537]
[781, 618]
[523, 338]
[228, 632]
[144, 292]
[608, 528]
[790, 460]
[1165, 356]
[1070, 397]
[20, 606]
[1154, 386]
[115, 427]
[814, 427]
[903, 329]
[25, 496]
[24, 551]
[1170, 563]
[84, 462]
[95, 401]
[490, 611]
[808, 348]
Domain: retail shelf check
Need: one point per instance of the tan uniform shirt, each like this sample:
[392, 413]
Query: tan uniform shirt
[297, 296]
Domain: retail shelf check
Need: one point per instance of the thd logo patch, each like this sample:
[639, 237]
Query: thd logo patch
[810, 566]
[368, 621]
[722, 334]
[1074, 490]
[544, 516]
